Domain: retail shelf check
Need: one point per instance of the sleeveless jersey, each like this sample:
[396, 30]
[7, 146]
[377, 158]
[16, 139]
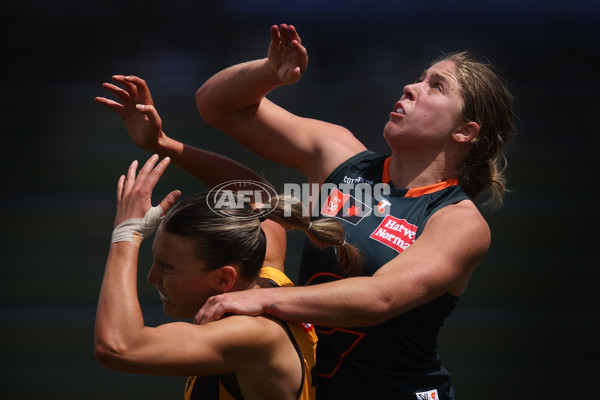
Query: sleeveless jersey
[225, 387]
[396, 359]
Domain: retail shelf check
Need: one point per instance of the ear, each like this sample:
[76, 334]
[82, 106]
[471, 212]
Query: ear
[466, 133]
[226, 278]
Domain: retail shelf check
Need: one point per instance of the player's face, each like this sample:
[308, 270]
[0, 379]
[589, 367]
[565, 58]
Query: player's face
[183, 282]
[429, 110]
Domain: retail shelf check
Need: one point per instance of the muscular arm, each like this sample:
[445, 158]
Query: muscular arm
[234, 101]
[144, 125]
[441, 260]
[124, 343]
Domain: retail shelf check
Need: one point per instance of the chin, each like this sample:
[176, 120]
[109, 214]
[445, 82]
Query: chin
[388, 131]
[171, 313]
[389, 137]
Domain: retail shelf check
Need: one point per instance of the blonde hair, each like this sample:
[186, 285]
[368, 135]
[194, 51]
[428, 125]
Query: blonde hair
[322, 232]
[488, 102]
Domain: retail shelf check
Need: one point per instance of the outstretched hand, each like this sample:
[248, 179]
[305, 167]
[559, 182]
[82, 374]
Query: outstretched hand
[136, 109]
[134, 194]
[287, 57]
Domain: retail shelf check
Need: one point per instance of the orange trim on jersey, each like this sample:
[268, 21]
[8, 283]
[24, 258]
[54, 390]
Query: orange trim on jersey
[385, 176]
[420, 191]
[360, 336]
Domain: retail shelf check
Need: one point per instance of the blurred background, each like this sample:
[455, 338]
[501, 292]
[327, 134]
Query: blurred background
[528, 326]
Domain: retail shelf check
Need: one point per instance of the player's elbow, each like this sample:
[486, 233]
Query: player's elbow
[373, 312]
[110, 353]
[382, 309]
[201, 103]
[206, 107]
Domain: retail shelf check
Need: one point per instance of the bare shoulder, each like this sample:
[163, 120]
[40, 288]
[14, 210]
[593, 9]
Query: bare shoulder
[462, 236]
[333, 143]
[273, 372]
[259, 335]
[463, 218]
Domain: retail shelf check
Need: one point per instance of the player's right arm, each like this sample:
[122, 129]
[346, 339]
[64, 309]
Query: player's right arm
[234, 101]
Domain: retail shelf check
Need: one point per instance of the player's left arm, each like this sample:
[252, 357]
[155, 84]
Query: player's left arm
[440, 261]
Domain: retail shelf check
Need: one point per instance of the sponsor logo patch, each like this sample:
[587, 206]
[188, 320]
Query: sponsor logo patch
[395, 233]
[344, 206]
[429, 395]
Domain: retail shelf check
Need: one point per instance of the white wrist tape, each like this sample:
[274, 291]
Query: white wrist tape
[136, 229]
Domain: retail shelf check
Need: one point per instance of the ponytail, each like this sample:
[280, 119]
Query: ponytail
[235, 236]
[323, 232]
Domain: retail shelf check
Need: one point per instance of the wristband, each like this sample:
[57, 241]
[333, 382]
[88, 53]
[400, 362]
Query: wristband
[136, 229]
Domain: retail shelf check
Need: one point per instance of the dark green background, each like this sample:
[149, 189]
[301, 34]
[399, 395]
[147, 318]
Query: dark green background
[528, 326]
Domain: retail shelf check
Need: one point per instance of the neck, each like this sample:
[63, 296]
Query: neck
[407, 172]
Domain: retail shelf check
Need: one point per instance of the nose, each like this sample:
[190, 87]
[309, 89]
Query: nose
[153, 277]
[410, 92]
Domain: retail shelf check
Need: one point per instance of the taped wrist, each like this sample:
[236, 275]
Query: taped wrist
[136, 229]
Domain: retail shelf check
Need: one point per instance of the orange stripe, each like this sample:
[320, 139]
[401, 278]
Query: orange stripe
[385, 176]
[420, 191]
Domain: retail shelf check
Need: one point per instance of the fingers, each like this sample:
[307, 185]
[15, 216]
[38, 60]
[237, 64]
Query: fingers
[130, 177]
[110, 104]
[211, 311]
[120, 185]
[169, 200]
[133, 88]
[293, 35]
[129, 86]
[145, 172]
[121, 94]
[275, 36]
[134, 193]
[150, 112]
[141, 87]
[285, 34]
[301, 50]
[146, 179]
[152, 173]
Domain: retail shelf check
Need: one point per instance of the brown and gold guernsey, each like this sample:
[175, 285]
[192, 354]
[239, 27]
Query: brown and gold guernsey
[225, 386]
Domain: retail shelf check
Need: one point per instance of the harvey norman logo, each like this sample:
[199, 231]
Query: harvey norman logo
[395, 233]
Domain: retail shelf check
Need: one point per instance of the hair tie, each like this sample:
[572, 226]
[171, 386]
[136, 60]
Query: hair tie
[259, 214]
[309, 226]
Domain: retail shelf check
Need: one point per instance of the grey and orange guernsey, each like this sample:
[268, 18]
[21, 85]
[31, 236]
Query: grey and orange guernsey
[225, 386]
[398, 358]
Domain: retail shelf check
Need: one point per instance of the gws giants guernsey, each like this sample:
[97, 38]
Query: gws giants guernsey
[225, 387]
[396, 359]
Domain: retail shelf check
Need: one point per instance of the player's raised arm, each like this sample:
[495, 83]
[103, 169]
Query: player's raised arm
[234, 101]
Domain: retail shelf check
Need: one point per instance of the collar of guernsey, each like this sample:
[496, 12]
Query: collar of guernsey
[276, 276]
[418, 191]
